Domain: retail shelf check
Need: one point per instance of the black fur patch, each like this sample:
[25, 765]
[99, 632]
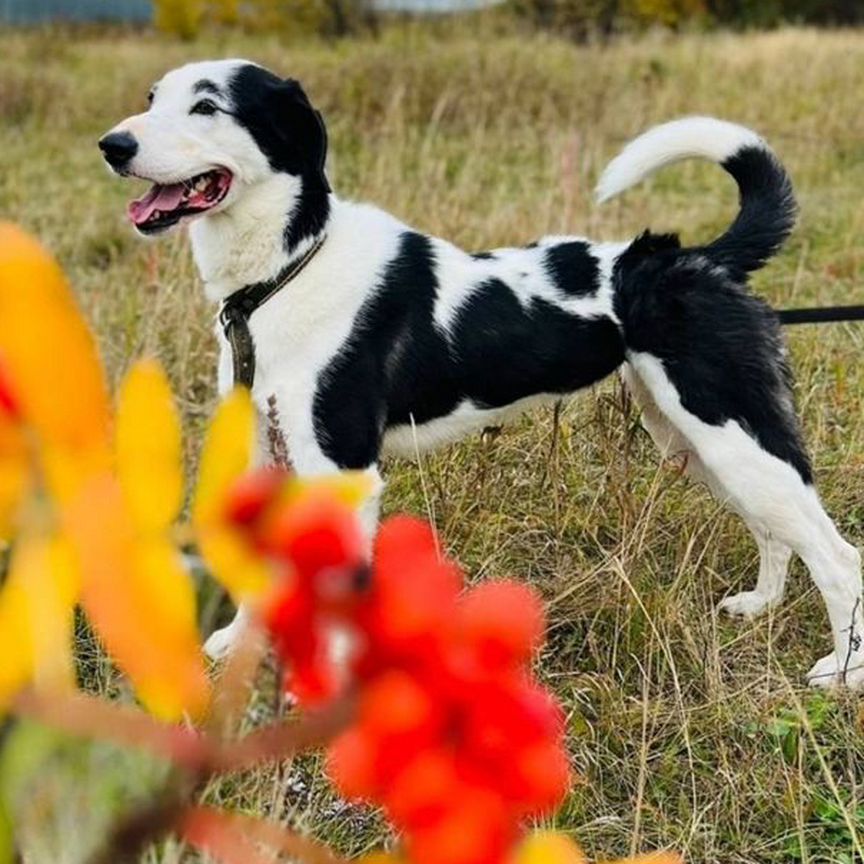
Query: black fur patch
[720, 346]
[291, 134]
[397, 365]
[572, 268]
[507, 352]
[766, 216]
[394, 364]
[205, 85]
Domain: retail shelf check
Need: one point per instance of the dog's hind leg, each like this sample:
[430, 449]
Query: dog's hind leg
[774, 556]
[776, 494]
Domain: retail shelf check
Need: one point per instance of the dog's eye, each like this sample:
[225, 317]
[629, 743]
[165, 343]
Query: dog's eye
[205, 106]
[150, 98]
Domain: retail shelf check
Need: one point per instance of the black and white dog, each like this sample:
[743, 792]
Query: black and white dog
[389, 340]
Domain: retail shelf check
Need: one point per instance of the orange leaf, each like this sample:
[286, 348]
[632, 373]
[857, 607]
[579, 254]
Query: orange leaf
[140, 599]
[51, 357]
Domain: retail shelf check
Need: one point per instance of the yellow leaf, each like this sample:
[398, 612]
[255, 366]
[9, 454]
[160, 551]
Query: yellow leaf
[140, 599]
[381, 858]
[16, 643]
[148, 443]
[50, 357]
[349, 487]
[548, 847]
[243, 573]
[36, 616]
[226, 455]
[47, 569]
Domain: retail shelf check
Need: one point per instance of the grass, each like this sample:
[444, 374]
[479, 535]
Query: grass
[689, 730]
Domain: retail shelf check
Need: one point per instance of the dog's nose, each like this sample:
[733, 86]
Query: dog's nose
[118, 148]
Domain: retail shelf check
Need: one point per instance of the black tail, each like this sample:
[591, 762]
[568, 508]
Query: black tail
[767, 213]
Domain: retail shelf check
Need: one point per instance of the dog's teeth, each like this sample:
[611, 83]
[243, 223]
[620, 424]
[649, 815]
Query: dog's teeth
[201, 184]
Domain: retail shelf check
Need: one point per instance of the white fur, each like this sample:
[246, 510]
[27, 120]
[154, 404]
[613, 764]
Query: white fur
[687, 138]
[779, 507]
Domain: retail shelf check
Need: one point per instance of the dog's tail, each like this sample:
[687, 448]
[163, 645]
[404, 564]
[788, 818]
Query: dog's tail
[767, 204]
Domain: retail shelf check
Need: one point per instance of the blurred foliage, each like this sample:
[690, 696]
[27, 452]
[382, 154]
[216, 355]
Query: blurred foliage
[186, 18]
[587, 19]
[179, 17]
[579, 20]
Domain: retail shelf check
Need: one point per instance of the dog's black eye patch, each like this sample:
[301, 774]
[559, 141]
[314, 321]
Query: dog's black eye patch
[207, 107]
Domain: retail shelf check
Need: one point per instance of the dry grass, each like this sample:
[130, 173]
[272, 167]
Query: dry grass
[690, 731]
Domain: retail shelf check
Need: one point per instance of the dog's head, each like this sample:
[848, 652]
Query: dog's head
[212, 132]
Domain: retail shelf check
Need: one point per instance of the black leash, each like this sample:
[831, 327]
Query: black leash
[239, 306]
[821, 315]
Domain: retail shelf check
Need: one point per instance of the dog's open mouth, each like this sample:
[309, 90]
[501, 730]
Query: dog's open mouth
[165, 205]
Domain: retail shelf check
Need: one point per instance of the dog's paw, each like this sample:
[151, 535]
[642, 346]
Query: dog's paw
[220, 642]
[747, 604]
[826, 673]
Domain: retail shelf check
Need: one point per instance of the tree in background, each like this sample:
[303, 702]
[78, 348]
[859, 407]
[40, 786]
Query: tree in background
[181, 18]
[224, 12]
[767, 13]
[585, 19]
[332, 18]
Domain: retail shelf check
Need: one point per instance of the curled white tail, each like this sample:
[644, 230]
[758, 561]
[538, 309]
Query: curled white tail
[687, 138]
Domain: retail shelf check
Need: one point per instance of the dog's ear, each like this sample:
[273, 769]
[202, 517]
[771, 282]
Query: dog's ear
[304, 127]
[279, 116]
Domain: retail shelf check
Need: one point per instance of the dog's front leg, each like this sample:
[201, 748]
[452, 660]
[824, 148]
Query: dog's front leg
[310, 462]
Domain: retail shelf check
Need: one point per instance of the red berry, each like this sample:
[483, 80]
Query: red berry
[312, 682]
[414, 608]
[402, 542]
[503, 621]
[422, 791]
[507, 715]
[253, 493]
[315, 534]
[289, 610]
[352, 764]
[395, 706]
[474, 831]
[539, 777]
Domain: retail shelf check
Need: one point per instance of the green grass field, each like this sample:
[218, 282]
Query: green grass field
[689, 730]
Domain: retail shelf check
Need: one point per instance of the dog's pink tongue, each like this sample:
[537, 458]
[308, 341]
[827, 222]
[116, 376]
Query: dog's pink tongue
[164, 198]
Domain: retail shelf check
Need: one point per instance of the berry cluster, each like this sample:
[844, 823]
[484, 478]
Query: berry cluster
[452, 736]
[315, 542]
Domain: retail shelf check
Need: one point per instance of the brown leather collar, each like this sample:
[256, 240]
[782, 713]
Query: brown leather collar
[239, 306]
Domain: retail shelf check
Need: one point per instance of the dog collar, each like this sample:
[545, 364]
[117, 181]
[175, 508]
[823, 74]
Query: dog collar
[237, 309]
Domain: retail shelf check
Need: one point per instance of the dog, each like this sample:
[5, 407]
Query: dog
[383, 339]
